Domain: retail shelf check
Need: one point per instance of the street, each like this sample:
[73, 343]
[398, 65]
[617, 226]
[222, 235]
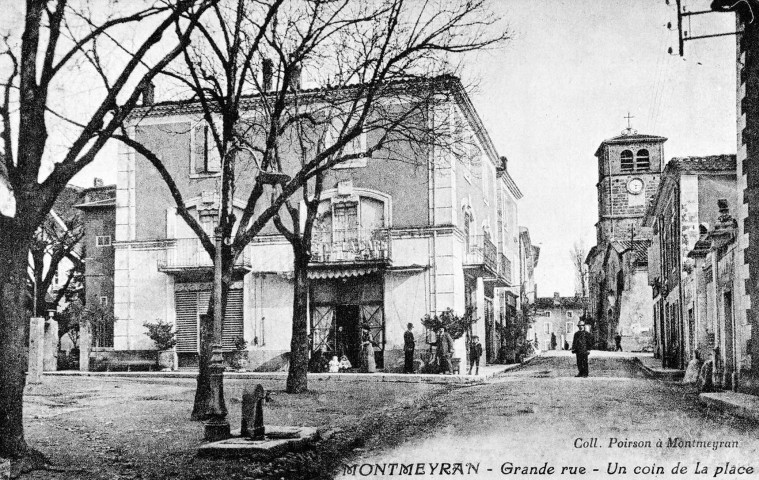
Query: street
[542, 420]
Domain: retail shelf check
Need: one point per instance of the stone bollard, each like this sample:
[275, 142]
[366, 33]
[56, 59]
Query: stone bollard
[5, 469]
[36, 350]
[50, 363]
[85, 342]
[253, 413]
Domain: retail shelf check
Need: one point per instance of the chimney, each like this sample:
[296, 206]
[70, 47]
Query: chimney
[148, 96]
[268, 73]
[98, 182]
[556, 295]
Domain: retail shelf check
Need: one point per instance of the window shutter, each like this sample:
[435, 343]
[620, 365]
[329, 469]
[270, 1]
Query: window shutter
[187, 321]
[212, 153]
[233, 320]
[199, 149]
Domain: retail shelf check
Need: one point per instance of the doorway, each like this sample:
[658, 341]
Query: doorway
[347, 325]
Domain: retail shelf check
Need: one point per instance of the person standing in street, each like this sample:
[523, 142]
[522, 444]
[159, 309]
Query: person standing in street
[444, 351]
[618, 342]
[475, 352]
[582, 343]
[409, 344]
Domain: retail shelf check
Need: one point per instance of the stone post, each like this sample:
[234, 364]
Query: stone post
[85, 343]
[50, 363]
[36, 350]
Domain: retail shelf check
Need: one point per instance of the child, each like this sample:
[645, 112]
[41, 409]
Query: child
[345, 364]
[475, 352]
[334, 365]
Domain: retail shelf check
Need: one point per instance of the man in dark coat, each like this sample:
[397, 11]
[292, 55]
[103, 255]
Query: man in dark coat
[582, 343]
[408, 349]
[475, 352]
[444, 351]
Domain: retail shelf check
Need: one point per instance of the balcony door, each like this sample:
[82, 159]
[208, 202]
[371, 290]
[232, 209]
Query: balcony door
[345, 225]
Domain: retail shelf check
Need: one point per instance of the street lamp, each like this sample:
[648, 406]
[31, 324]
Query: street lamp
[217, 426]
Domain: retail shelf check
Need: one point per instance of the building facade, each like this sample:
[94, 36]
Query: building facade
[686, 201]
[629, 171]
[98, 207]
[556, 320]
[393, 241]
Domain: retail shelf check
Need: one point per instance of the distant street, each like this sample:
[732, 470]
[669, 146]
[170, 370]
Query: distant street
[541, 413]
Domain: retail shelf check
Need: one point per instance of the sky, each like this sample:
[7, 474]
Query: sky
[564, 82]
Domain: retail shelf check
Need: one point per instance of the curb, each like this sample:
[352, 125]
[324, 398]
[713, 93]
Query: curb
[282, 376]
[738, 408]
[673, 375]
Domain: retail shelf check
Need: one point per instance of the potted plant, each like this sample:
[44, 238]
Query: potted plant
[162, 334]
[455, 325]
[239, 360]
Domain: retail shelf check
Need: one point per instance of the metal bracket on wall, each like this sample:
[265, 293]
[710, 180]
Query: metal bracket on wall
[716, 7]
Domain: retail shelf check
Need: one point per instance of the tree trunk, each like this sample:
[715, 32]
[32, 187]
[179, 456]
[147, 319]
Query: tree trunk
[14, 250]
[297, 378]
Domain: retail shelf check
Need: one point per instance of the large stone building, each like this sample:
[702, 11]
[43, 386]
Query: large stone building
[556, 319]
[98, 207]
[747, 170]
[394, 241]
[629, 171]
[687, 199]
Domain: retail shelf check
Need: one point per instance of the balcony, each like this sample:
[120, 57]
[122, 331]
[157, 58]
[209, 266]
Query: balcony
[362, 246]
[481, 256]
[504, 268]
[188, 254]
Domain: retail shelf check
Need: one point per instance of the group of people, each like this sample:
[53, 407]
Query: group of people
[443, 351]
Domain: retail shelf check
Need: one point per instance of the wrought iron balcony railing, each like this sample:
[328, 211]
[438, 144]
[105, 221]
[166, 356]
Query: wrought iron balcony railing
[504, 267]
[351, 245]
[481, 251]
[189, 253]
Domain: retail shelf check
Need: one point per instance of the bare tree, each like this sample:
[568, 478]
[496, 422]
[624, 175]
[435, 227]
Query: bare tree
[577, 254]
[54, 241]
[372, 61]
[57, 42]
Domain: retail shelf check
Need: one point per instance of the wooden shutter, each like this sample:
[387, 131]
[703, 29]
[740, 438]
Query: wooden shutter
[233, 320]
[187, 321]
[199, 148]
[189, 307]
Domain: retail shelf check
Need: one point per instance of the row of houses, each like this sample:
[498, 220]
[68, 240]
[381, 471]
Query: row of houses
[665, 270]
[394, 241]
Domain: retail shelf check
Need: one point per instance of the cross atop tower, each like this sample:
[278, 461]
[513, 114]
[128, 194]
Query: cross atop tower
[629, 130]
[628, 117]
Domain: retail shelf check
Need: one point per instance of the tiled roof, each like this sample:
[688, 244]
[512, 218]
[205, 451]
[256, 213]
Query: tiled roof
[565, 302]
[639, 246]
[709, 163]
[636, 138]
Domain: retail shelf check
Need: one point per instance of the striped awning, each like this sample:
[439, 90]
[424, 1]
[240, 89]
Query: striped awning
[341, 272]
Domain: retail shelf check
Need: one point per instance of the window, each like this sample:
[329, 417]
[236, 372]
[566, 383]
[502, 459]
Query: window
[627, 161]
[548, 314]
[346, 221]
[570, 327]
[547, 327]
[205, 155]
[643, 160]
[104, 301]
[103, 241]
[356, 146]
[570, 313]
